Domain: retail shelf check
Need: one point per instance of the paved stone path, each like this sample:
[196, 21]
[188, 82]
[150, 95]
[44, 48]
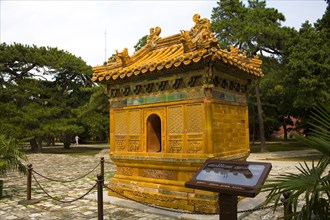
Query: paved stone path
[57, 166]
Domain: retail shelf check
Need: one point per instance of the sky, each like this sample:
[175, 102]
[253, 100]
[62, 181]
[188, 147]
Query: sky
[93, 30]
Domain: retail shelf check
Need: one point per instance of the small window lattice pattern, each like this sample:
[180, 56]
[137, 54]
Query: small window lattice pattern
[120, 125]
[134, 117]
[194, 118]
[175, 120]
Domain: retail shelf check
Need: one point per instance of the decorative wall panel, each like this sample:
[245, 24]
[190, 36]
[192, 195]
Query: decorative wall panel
[120, 130]
[175, 128]
[134, 118]
[120, 122]
[175, 120]
[194, 118]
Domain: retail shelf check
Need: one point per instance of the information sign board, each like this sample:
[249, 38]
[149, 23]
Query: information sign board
[238, 178]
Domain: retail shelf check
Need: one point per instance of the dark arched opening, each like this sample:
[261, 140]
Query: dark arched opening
[154, 134]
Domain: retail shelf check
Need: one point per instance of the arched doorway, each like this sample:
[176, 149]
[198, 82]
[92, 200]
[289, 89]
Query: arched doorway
[154, 134]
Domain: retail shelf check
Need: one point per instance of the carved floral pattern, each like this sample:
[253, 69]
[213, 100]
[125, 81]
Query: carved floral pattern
[201, 204]
[126, 171]
[120, 145]
[134, 145]
[159, 174]
[175, 146]
[195, 146]
[156, 197]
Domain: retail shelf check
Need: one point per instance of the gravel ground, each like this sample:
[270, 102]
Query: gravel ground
[57, 166]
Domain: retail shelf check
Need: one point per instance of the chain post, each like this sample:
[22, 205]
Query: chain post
[102, 166]
[287, 206]
[100, 182]
[29, 181]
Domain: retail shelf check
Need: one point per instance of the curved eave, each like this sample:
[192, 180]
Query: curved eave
[158, 60]
[250, 66]
[172, 57]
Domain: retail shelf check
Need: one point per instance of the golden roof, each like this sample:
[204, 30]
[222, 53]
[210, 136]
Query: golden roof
[181, 49]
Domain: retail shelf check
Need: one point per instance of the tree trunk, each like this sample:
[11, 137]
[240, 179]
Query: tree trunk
[261, 120]
[34, 145]
[1, 188]
[66, 140]
[253, 131]
[285, 131]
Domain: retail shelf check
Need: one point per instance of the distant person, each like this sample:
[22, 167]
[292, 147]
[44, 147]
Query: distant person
[77, 139]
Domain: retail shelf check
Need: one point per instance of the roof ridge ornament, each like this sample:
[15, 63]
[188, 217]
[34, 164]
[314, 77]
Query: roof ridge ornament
[122, 57]
[200, 35]
[202, 28]
[186, 41]
[153, 37]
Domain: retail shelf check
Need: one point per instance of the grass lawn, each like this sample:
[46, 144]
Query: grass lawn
[93, 149]
[73, 150]
[302, 158]
[279, 146]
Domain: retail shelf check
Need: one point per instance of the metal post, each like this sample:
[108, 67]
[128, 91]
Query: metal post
[287, 206]
[29, 180]
[227, 206]
[100, 181]
[102, 166]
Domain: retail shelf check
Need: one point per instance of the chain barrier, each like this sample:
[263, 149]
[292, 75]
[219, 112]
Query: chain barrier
[66, 181]
[187, 212]
[62, 201]
[131, 199]
[260, 208]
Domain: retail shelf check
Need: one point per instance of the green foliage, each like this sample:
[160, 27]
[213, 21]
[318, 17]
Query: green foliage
[302, 77]
[40, 89]
[94, 115]
[320, 140]
[277, 103]
[311, 184]
[307, 75]
[280, 146]
[253, 28]
[296, 64]
[11, 158]
[141, 43]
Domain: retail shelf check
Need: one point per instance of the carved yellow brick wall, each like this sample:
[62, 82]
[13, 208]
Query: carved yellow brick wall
[230, 129]
[191, 133]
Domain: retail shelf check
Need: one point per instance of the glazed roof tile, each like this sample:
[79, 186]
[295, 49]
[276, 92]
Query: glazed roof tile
[175, 51]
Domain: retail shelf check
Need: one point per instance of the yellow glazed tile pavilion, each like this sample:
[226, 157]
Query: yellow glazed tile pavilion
[176, 102]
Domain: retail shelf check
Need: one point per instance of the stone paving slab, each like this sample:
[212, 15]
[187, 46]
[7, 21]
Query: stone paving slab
[57, 166]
